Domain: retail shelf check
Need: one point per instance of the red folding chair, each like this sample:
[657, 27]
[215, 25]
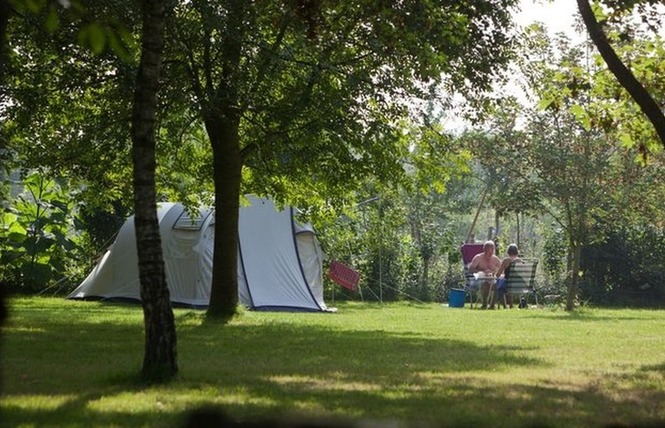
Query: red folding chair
[344, 275]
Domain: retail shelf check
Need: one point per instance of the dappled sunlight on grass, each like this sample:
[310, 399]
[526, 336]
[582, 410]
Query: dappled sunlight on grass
[78, 366]
[132, 402]
[161, 399]
[322, 384]
[34, 402]
[10, 330]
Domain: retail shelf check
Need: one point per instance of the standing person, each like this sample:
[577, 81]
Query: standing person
[488, 263]
[513, 255]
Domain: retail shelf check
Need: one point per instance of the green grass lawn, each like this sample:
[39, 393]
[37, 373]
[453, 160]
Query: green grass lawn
[68, 363]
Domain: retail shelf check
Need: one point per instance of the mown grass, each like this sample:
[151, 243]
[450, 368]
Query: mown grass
[67, 363]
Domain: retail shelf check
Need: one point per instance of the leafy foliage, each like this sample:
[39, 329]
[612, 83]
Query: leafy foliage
[560, 163]
[614, 110]
[625, 269]
[321, 88]
[309, 99]
[36, 235]
[554, 257]
[68, 111]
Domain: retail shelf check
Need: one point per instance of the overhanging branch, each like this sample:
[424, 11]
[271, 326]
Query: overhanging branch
[621, 72]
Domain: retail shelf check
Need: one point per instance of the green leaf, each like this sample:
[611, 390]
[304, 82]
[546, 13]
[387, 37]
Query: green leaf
[545, 103]
[581, 115]
[117, 46]
[626, 140]
[35, 5]
[93, 37]
[598, 12]
[17, 228]
[15, 237]
[9, 218]
[38, 246]
[97, 38]
[52, 20]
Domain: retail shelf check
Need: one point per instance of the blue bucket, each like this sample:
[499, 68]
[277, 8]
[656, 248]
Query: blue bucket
[456, 298]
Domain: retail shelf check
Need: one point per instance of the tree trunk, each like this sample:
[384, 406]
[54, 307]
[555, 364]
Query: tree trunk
[424, 279]
[519, 240]
[5, 11]
[4, 18]
[497, 223]
[160, 360]
[222, 120]
[227, 162]
[625, 77]
[574, 274]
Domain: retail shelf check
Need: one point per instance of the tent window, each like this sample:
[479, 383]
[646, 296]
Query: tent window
[187, 222]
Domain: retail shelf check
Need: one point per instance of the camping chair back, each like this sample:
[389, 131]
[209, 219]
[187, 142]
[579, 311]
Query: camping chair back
[521, 278]
[469, 251]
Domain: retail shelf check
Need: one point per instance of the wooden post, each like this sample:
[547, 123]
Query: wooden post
[475, 218]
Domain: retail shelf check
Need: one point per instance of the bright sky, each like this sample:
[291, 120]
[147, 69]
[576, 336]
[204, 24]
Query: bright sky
[557, 15]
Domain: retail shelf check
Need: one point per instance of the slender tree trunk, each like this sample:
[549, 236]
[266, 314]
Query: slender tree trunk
[496, 223]
[160, 360]
[5, 11]
[574, 274]
[519, 237]
[424, 281]
[4, 18]
[475, 217]
[625, 77]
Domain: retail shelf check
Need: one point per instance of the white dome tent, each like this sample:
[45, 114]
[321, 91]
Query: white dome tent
[280, 263]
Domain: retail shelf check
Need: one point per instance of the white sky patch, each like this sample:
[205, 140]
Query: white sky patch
[559, 16]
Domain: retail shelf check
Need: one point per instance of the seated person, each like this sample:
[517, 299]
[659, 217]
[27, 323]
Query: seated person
[500, 294]
[488, 263]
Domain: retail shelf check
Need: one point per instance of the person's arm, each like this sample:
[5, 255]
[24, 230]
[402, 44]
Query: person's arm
[473, 266]
[504, 265]
[495, 265]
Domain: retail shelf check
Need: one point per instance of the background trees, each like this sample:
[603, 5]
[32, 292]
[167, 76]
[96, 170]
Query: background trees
[313, 92]
[566, 156]
[323, 106]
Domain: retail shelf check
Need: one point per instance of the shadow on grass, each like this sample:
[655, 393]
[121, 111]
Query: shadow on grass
[654, 368]
[460, 403]
[468, 404]
[256, 372]
[578, 315]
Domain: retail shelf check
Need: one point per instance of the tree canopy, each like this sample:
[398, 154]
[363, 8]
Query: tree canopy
[310, 95]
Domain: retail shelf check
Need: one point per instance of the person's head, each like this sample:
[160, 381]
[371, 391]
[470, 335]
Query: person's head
[512, 250]
[488, 248]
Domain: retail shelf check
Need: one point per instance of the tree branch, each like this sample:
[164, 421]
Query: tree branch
[625, 77]
[265, 63]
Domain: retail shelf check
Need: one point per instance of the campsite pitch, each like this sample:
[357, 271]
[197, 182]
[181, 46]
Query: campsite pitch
[71, 363]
